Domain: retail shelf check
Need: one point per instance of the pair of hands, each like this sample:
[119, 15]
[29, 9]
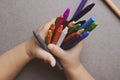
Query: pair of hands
[70, 59]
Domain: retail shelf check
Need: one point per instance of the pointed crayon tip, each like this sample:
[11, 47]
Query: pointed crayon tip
[60, 28]
[67, 11]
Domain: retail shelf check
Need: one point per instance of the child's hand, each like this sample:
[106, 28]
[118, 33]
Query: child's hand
[70, 59]
[34, 50]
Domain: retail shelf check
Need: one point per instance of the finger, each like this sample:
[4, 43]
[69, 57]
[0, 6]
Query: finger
[71, 24]
[47, 57]
[57, 51]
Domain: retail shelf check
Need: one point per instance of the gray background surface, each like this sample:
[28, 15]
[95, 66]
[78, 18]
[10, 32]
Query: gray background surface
[101, 54]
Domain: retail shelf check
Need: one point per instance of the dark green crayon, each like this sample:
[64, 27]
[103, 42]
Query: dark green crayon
[74, 29]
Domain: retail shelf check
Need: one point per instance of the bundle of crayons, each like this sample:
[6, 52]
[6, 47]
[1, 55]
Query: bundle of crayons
[66, 34]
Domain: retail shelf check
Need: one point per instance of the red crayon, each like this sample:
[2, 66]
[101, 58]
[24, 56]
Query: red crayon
[59, 22]
[57, 34]
[70, 36]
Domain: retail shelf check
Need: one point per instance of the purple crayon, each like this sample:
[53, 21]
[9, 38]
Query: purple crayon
[70, 41]
[66, 15]
[75, 40]
[80, 7]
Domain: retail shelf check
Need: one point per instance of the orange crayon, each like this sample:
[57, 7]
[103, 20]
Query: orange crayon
[52, 27]
[57, 34]
[49, 37]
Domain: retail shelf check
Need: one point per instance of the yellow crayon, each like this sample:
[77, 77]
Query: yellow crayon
[80, 31]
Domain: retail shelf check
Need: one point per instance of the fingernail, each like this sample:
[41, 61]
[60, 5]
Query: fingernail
[50, 46]
[52, 64]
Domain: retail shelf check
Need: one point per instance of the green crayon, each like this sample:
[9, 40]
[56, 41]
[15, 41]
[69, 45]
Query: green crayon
[56, 20]
[92, 26]
[74, 29]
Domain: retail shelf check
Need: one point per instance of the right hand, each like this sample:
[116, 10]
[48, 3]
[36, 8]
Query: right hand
[70, 59]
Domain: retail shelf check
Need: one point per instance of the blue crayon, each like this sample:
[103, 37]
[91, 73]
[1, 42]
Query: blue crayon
[75, 40]
[88, 22]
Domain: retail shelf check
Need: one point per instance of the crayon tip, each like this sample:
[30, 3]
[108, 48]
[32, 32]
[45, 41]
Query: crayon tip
[95, 24]
[91, 5]
[49, 31]
[61, 17]
[93, 18]
[60, 28]
[66, 12]
[92, 26]
[85, 34]
[52, 25]
[81, 36]
[80, 31]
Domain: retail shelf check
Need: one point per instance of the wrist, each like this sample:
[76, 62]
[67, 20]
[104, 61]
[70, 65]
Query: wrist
[72, 65]
[73, 68]
[72, 73]
[27, 46]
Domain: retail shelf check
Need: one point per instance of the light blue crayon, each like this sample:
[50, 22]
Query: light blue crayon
[88, 22]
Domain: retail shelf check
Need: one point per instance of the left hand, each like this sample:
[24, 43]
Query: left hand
[34, 50]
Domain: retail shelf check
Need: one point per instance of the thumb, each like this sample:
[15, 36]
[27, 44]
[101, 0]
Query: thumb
[57, 51]
[46, 56]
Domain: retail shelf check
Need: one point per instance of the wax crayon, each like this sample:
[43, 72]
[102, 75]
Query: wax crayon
[58, 23]
[66, 15]
[57, 34]
[66, 44]
[56, 20]
[75, 40]
[81, 37]
[52, 27]
[62, 36]
[92, 26]
[49, 37]
[83, 12]
[70, 36]
[80, 31]
[73, 34]
[73, 29]
[80, 22]
[88, 23]
[80, 7]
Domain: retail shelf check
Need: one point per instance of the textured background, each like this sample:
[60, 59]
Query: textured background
[101, 54]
